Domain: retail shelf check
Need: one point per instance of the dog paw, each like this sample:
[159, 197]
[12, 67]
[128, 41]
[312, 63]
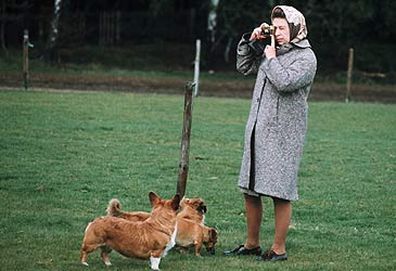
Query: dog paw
[108, 263]
[85, 263]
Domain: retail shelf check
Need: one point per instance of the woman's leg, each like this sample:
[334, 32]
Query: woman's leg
[254, 211]
[283, 211]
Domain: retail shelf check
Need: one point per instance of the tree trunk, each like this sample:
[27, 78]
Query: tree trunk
[212, 20]
[227, 50]
[212, 27]
[51, 51]
[2, 26]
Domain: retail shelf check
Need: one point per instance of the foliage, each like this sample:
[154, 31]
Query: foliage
[334, 27]
[65, 155]
[237, 17]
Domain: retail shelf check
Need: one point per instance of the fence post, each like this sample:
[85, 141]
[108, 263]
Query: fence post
[185, 142]
[349, 75]
[26, 59]
[196, 66]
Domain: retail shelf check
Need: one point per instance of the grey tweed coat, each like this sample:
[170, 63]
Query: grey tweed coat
[277, 123]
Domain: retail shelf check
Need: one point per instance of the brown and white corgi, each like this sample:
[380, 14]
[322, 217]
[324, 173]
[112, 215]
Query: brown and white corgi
[148, 239]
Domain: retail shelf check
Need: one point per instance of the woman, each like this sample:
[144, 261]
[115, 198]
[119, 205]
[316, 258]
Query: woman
[276, 126]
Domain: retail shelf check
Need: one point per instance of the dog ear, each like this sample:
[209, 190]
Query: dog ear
[154, 198]
[176, 202]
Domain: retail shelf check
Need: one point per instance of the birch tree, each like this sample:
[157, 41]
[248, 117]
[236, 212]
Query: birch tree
[212, 20]
[54, 31]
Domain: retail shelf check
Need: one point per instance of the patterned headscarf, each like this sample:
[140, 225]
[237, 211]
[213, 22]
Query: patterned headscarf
[296, 20]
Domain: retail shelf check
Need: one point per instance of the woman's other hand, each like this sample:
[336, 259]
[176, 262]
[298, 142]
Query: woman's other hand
[257, 34]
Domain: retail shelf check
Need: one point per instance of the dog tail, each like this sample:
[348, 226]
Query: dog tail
[114, 208]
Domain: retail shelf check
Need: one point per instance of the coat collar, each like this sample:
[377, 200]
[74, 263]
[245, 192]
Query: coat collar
[283, 49]
[302, 44]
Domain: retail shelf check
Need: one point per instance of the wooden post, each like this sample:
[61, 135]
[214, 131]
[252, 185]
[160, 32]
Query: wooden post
[196, 66]
[349, 75]
[185, 142]
[26, 59]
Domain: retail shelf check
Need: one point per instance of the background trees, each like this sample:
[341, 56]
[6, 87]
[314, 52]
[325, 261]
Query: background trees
[334, 26]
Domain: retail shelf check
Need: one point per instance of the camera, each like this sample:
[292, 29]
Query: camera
[267, 30]
[259, 45]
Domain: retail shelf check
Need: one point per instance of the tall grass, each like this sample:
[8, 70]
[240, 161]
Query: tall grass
[65, 155]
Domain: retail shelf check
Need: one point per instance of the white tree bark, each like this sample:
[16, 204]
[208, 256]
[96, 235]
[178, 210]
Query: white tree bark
[212, 20]
[53, 35]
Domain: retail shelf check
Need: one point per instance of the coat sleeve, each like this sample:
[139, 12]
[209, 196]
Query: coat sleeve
[247, 60]
[293, 77]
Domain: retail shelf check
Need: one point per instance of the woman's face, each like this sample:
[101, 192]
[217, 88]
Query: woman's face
[282, 31]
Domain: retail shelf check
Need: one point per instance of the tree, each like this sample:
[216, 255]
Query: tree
[51, 50]
[212, 20]
[237, 17]
[11, 13]
[2, 26]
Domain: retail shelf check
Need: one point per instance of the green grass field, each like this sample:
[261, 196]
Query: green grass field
[65, 155]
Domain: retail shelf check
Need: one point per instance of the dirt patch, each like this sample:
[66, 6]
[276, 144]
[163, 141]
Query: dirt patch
[174, 85]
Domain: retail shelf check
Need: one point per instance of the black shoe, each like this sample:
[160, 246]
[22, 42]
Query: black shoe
[241, 250]
[270, 255]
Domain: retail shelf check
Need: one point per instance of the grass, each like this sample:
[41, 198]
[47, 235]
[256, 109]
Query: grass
[65, 155]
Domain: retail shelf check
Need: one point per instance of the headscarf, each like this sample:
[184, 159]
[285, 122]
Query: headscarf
[296, 20]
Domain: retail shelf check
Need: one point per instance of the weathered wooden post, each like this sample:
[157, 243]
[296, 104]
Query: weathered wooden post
[349, 75]
[185, 141]
[26, 59]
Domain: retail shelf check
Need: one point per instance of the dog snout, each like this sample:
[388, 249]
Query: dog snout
[202, 208]
[211, 251]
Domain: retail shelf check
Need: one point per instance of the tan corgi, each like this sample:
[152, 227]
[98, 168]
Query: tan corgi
[193, 234]
[193, 209]
[190, 221]
[148, 239]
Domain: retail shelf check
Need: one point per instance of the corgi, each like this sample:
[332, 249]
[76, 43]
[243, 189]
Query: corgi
[193, 209]
[148, 239]
[193, 234]
[190, 221]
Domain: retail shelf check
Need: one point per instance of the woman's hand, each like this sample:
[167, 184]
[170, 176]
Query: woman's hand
[269, 51]
[257, 34]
